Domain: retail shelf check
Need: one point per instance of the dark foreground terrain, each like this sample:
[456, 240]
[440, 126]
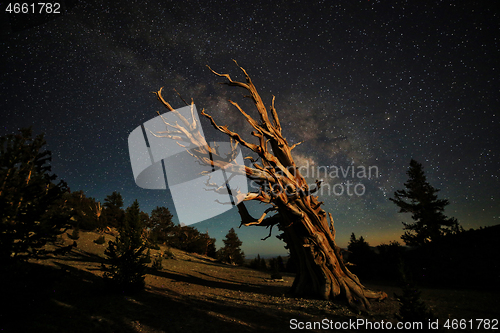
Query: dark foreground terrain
[192, 293]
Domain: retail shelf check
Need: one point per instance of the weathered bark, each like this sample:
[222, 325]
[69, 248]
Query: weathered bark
[321, 270]
[307, 233]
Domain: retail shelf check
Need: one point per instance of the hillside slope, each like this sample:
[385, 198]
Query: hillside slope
[192, 293]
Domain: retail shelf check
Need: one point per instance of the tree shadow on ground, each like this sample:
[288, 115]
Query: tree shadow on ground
[63, 298]
[213, 282]
[81, 256]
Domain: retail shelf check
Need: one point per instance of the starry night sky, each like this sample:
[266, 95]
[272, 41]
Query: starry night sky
[362, 83]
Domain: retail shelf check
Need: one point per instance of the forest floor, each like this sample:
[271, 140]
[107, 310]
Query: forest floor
[192, 293]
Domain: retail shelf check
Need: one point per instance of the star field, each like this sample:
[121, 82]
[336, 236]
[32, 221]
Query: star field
[361, 83]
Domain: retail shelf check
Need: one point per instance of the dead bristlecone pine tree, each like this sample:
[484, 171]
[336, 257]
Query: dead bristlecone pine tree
[307, 232]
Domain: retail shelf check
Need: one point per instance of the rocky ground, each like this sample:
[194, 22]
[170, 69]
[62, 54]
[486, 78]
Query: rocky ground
[192, 293]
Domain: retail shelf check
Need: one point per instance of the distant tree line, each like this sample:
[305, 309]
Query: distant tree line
[457, 260]
[35, 208]
[438, 250]
[274, 264]
[157, 228]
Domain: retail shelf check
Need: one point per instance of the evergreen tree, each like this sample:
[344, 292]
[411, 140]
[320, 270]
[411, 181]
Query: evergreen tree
[361, 256]
[189, 239]
[388, 260]
[85, 210]
[231, 251]
[160, 224]
[32, 209]
[412, 308]
[281, 264]
[151, 241]
[126, 268]
[357, 247]
[263, 264]
[113, 213]
[144, 218]
[274, 267]
[211, 249]
[421, 201]
[255, 262]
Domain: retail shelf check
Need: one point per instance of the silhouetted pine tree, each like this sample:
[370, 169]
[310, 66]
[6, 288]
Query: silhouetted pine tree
[255, 262]
[281, 264]
[161, 225]
[189, 239]
[412, 307]
[32, 209]
[388, 260]
[211, 249]
[231, 251]
[263, 264]
[274, 267]
[421, 201]
[361, 256]
[86, 211]
[126, 270]
[113, 213]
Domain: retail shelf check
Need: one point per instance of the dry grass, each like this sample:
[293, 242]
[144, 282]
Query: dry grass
[191, 293]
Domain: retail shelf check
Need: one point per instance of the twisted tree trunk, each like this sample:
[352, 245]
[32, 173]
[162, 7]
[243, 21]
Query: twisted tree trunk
[321, 271]
[307, 233]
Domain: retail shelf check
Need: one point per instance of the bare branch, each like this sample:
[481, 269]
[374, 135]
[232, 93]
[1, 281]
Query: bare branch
[270, 232]
[181, 97]
[276, 120]
[295, 145]
[248, 220]
[160, 98]
[311, 239]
